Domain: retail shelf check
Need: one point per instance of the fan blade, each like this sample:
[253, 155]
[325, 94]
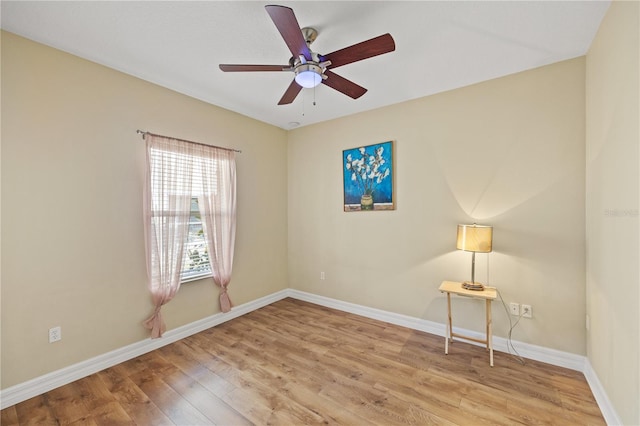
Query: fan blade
[239, 67]
[366, 49]
[291, 93]
[289, 28]
[343, 85]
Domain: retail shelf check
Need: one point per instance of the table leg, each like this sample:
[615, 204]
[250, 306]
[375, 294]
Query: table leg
[489, 333]
[449, 332]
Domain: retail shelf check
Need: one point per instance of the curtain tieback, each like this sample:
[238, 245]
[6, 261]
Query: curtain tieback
[155, 323]
[225, 301]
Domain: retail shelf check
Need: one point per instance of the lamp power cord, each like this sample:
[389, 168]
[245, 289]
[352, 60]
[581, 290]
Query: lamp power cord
[512, 325]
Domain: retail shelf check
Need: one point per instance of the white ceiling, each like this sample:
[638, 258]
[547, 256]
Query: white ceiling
[440, 45]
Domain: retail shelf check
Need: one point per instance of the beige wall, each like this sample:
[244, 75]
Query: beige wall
[72, 238]
[507, 152]
[613, 186]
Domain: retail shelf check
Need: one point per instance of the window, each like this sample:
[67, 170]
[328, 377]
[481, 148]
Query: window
[195, 260]
[195, 257]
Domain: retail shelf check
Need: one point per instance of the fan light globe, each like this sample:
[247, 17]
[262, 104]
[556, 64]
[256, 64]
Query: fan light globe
[308, 79]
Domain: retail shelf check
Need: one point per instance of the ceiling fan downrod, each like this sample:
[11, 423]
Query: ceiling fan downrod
[309, 34]
[309, 67]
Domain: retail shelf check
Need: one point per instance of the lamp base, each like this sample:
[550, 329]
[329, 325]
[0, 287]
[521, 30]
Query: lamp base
[468, 285]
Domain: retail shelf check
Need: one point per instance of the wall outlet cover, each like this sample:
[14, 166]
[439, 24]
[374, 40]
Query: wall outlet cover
[514, 308]
[55, 334]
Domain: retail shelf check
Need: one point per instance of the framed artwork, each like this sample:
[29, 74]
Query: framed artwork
[368, 177]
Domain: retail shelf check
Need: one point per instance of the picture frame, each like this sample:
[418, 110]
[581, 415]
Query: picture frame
[367, 174]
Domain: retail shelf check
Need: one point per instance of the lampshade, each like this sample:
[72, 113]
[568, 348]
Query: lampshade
[308, 75]
[475, 238]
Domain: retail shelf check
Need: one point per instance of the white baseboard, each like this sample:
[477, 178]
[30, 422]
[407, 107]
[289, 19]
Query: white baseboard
[39, 385]
[373, 313]
[47, 382]
[608, 412]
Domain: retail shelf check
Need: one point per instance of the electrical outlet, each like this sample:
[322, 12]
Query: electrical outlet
[322, 275]
[526, 311]
[514, 308]
[55, 334]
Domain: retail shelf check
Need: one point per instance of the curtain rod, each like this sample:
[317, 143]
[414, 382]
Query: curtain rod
[143, 133]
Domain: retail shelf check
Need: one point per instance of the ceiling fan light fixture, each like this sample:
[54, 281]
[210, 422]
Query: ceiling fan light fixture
[308, 75]
[310, 68]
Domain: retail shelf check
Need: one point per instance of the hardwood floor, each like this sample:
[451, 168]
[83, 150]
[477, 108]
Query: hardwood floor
[294, 363]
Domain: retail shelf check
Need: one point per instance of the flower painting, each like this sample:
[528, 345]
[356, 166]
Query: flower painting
[368, 177]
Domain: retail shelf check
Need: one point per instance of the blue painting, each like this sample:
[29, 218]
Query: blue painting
[368, 177]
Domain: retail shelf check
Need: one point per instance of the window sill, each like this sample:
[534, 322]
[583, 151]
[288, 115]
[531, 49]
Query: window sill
[196, 278]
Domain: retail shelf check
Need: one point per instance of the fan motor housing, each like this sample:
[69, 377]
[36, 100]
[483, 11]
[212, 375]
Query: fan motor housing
[309, 66]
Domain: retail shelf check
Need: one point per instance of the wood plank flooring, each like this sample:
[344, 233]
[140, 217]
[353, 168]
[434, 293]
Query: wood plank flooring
[295, 363]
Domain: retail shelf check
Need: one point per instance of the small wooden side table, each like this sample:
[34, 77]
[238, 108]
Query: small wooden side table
[488, 294]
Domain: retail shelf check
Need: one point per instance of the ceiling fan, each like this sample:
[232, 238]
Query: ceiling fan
[311, 68]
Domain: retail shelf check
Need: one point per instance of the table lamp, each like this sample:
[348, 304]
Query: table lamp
[476, 239]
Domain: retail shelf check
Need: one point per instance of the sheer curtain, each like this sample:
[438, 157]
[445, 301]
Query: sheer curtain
[167, 205]
[218, 209]
[176, 171]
